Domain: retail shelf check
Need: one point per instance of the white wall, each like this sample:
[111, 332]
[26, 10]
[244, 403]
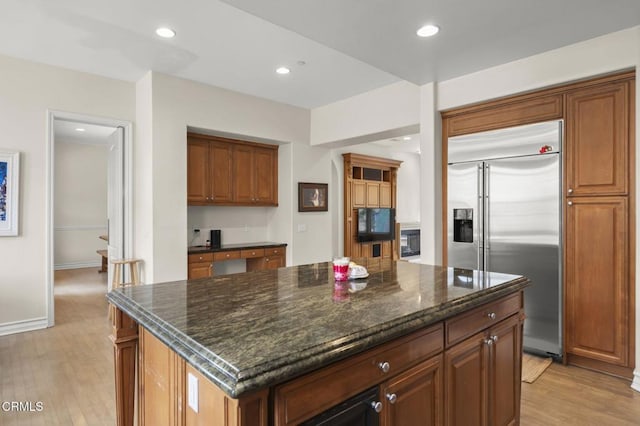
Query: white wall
[383, 113]
[27, 91]
[80, 204]
[178, 103]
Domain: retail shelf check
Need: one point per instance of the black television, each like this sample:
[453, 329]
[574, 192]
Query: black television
[376, 224]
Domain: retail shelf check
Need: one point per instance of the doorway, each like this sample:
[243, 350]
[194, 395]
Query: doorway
[88, 196]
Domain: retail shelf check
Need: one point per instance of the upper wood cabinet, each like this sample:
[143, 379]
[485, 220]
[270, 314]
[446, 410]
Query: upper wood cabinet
[228, 172]
[597, 140]
[255, 174]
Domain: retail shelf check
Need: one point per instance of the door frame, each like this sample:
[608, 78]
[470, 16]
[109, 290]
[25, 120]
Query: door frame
[127, 168]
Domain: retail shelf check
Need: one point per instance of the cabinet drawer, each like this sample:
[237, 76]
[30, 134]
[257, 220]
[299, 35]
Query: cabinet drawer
[275, 251]
[482, 317]
[314, 393]
[200, 257]
[249, 253]
[226, 255]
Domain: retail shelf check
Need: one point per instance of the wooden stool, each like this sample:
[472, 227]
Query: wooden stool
[117, 276]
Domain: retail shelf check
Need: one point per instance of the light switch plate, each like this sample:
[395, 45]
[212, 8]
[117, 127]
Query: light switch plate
[302, 228]
[192, 392]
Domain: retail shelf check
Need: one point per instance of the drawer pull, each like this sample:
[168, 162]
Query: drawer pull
[200, 258]
[494, 339]
[377, 406]
[392, 397]
[488, 342]
[253, 253]
[491, 315]
[384, 366]
[227, 255]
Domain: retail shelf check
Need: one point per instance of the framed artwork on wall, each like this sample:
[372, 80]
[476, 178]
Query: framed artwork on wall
[9, 179]
[313, 197]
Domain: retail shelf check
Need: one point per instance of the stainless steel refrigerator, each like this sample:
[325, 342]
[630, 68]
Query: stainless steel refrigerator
[504, 215]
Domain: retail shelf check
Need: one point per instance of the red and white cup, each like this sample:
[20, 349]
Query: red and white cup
[341, 269]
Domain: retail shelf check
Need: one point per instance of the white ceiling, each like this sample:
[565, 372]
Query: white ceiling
[348, 46]
[66, 131]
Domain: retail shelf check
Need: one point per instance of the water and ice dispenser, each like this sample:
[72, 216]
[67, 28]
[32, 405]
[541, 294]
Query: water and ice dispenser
[463, 225]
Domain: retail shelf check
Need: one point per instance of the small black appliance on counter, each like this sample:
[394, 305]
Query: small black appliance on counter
[216, 239]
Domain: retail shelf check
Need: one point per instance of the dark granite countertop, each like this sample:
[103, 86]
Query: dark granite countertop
[230, 247]
[251, 330]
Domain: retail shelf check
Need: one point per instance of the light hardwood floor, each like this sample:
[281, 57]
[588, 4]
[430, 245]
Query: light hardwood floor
[70, 369]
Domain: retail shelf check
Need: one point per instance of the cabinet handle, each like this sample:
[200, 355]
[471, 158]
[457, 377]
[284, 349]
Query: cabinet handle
[488, 342]
[200, 258]
[384, 366]
[570, 190]
[211, 268]
[377, 406]
[570, 203]
[491, 315]
[392, 397]
[494, 338]
[227, 255]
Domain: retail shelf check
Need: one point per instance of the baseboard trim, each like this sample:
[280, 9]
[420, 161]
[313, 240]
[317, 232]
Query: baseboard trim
[77, 265]
[601, 366]
[22, 326]
[635, 385]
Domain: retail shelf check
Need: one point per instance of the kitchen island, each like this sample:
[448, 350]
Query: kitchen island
[286, 346]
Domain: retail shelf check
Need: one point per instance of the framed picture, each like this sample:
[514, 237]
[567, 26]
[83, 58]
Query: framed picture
[9, 177]
[313, 197]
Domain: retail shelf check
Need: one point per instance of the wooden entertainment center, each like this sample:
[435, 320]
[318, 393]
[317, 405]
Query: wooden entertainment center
[368, 182]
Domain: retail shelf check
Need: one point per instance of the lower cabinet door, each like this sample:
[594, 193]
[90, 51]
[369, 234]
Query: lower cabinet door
[200, 270]
[597, 289]
[415, 396]
[505, 372]
[467, 382]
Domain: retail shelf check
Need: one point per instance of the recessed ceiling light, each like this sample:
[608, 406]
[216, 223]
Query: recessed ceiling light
[80, 129]
[165, 32]
[428, 30]
[283, 70]
[406, 138]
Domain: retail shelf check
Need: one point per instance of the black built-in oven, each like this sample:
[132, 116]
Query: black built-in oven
[361, 410]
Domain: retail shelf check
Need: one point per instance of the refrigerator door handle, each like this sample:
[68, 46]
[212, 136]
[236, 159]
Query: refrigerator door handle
[479, 220]
[487, 213]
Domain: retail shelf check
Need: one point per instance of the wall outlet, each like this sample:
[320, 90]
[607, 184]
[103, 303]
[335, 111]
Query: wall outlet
[192, 392]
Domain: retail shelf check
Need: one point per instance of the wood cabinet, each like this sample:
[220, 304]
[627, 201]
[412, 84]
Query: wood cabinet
[200, 265]
[359, 194]
[414, 394]
[254, 181]
[388, 366]
[597, 290]
[599, 227]
[161, 382]
[208, 171]
[482, 374]
[224, 171]
[368, 182]
[464, 370]
[597, 140]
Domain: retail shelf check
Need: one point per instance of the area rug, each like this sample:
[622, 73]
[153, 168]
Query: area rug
[533, 367]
